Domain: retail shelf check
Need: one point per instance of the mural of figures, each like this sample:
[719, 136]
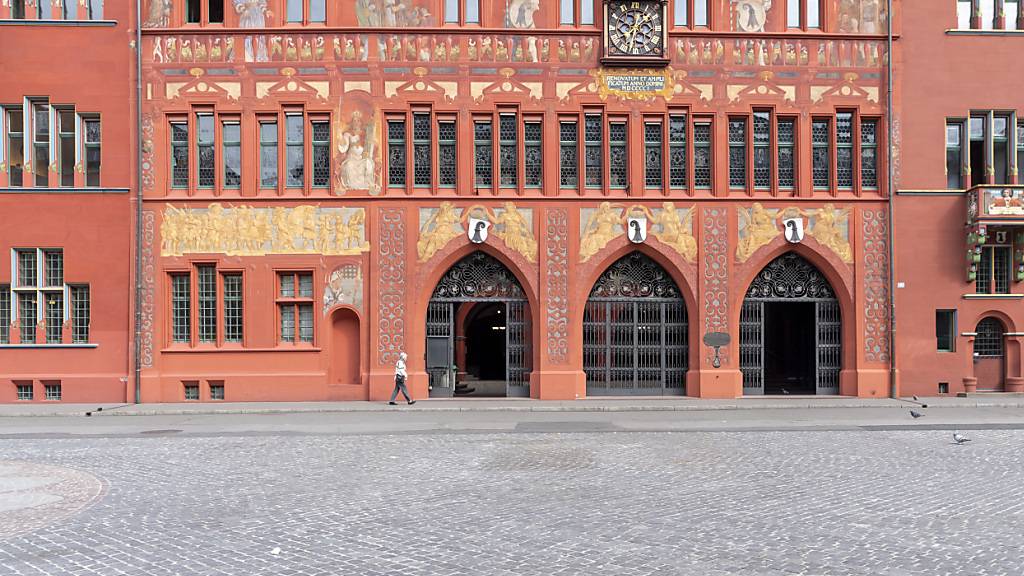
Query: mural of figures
[520, 13]
[394, 13]
[864, 16]
[437, 227]
[159, 14]
[344, 286]
[356, 162]
[252, 14]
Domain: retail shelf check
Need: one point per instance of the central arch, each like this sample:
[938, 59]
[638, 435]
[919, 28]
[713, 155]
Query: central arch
[790, 331]
[635, 331]
[478, 331]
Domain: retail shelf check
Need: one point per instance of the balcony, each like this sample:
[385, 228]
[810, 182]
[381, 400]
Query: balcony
[995, 219]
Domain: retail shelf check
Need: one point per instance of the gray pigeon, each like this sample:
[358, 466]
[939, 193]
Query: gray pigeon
[915, 398]
[960, 438]
[916, 414]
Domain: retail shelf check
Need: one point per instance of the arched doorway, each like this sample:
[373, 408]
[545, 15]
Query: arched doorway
[790, 331]
[635, 331]
[492, 354]
[989, 354]
[344, 347]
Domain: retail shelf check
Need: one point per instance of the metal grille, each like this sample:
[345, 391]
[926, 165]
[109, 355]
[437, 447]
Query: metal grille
[517, 348]
[421, 161]
[762, 150]
[305, 322]
[820, 153]
[869, 153]
[181, 313]
[829, 341]
[752, 346]
[191, 390]
[446, 162]
[233, 327]
[321, 154]
[593, 140]
[989, 341]
[27, 269]
[295, 162]
[268, 155]
[52, 391]
[635, 331]
[232, 151]
[533, 160]
[786, 138]
[738, 153]
[844, 150]
[652, 155]
[207, 277]
[440, 331]
[25, 391]
[287, 323]
[677, 151]
[569, 155]
[5, 314]
[27, 316]
[702, 155]
[396, 153]
[617, 171]
[204, 150]
[478, 276]
[508, 151]
[484, 154]
[80, 314]
[54, 260]
[54, 316]
[216, 390]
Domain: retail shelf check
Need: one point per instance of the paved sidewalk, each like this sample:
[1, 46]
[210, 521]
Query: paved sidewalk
[640, 404]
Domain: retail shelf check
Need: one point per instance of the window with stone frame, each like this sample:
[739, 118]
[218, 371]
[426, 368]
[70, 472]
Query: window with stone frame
[689, 13]
[593, 150]
[653, 157]
[737, 152]
[618, 154]
[462, 12]
[206, 305]
[483, 152]
[305, 11]
[577, 12]
[678, 164]
[447, 152]
[803, 14]
[994, 270]
[821, 153]
[568, 154]
[533, 152]
[15, 137]
[204, 12]
[38, 292]
[295, 307]
[703, 155]
[954, 154]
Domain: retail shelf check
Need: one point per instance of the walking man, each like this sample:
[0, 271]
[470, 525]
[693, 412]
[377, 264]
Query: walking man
[400, 374]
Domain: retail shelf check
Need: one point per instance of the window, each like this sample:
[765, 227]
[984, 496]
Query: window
[231, 141]
[5, 314]
[869, 153]
[40, 291]
[737, 153]
[92, 151]
[1001, 149]
[18, 9]
[179, 155]
[786, 135]
[200, 12]
[821, 153]
[954, 155]
[295, 307]
[15, 146]
[568, 156]
[321, 147]
[702, 158]
[462, 11]
[205, 156]
[987, 10]
[54, 317]
[1011, 11]
[191, 390]
[41, 143]
[396, 153]
[576, 12]
[844, 150]
[762, 149]
[945, 330]
[593, 144]
[976, 148]
[652, 154]
[483, 152]
[993, 270]
[295, 158]
[95, 9]
[803, 13]
[686, 11]
[988, 343]
[214, 290]
[233, 327]
[1020, 151]
[268, 154]
[24, 390]
[70, 10]
[508, 149]
[216, 389]
[52, 390]
[421, 154]
[306, 11]
[446, 154]
[79, 313]
[963, 14]
[533, 154]
[207, 292]
[181, 308]
[66, 145]
[677, 165]
[618, 157]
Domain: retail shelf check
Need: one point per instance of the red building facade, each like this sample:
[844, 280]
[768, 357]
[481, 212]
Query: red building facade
[65, 175]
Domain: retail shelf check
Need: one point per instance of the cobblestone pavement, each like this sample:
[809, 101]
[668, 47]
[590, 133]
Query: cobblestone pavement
[623, 504]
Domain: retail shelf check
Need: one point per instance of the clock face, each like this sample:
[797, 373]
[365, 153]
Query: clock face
[635, 28]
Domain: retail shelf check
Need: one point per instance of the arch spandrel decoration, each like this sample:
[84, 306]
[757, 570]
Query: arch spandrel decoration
[787, 277]
[478, 275]
[635, 276]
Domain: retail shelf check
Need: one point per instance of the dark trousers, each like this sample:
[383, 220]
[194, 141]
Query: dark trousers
[400, 387]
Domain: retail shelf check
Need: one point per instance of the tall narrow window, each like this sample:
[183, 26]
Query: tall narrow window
[451, 11]
[677, 164]
[215, 11]
[945, 330]
[15, 146]
[568, 155]
[533, 154]
[737, 152]
[821, 152]
[994, 270]
[618, 174]
[18, 9]
[27, 316]
[5, 314]
[80, 313]
[567, 12]
[446, 159]
[181, 308]
[652, 154]
[976, 133]
[396, 153]
[294, 10]
[508, 154]
[317, 11]
[231, 139]
[321, 148]
[483, 153]
[762, 150]
[207, 276]
[988, 13]
[472, 12]
[28, 269]
[92, 151]
[1020, 150]
[45, 9]
[844, 149]
[233, 326]
[1001, 149]
[702, 154]
[954, 156]
[268, 155]
[963, 14]
[813, 13]
[66, 149]
[793, 13]
[95, 9]
[193, 11]
[462, 11]
[593, 142]
[700, 12]
[587, 12]
[205, 154]
[869, 153]
[680, 13]
[295, 160]
[1011, 9]
[54, 303]
[53, 260]
[421, 156]
[179, 155]
[41, 143]
[295, 307]
[786, 142]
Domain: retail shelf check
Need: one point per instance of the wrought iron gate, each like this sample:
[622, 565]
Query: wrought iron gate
[790, 278]
[477, 278]
[635, 331]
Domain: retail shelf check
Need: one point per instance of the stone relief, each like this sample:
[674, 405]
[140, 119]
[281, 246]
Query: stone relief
[670, 225]
[437, 227]
[601, 226]
[344, 286]
[673, 227]
[758, 226]
[514, 226]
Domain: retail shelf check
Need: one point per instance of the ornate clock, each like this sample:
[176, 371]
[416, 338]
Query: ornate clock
[635, 32]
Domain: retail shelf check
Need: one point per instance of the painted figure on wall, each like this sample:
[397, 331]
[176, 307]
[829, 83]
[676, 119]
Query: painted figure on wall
[831, 228]
[159, 14]
[253, 14]
[864, 16]
[757, 228]
[344, 286]
[520, 13]
[1005, 201]
[393, 13]
[674, 229]
[438, 229]
[604, 224]
[751, 15]
[356, 166]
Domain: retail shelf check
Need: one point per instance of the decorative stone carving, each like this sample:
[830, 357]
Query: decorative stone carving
[148, 304]
[673, 229]
[557, 274]
[757, 227]
[876, 289]
[438, 227]
[716, 276]
[391, 285]
[602, 225]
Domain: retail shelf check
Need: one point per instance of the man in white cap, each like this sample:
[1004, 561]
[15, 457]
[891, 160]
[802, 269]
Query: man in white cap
[400, 374]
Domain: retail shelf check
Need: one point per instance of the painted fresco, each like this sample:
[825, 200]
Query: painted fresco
[248, 231]
[357, 161]
[862, 16]
[158, 14]
[513, 225]
[394, 13]
[750, 15]
[344, 286]
[757, 226]
[523, 14]
[1004, 202]
[253, 14]
[671, 225]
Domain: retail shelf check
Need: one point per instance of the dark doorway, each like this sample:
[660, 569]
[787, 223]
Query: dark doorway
[484, 370]
[789, 348]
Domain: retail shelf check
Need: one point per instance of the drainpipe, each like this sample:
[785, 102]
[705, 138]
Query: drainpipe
[892, 198]
[137, 353]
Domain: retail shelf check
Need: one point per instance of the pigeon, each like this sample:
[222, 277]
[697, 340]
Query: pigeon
[915, 398]
[960, 438]
[916, 414]
[784, 391]
[275, 551]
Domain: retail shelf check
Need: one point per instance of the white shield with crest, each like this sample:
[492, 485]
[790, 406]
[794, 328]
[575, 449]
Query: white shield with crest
[477, 231]
[794, 229]
[636, 229]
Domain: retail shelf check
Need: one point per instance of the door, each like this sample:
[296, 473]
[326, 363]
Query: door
[829, 347]
[517, 349]
[751, 347]
[989, 355]
[440, 349]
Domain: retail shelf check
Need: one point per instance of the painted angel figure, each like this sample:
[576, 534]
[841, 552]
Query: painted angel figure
[603, 225]
[253, 14]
